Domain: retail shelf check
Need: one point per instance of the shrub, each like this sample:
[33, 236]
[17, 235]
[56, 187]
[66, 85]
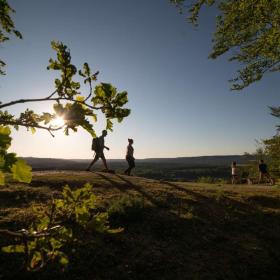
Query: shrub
[45, 239]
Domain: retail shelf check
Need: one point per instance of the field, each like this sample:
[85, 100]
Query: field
[175, 230]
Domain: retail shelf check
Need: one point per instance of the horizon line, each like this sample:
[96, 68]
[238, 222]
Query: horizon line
[226, 155]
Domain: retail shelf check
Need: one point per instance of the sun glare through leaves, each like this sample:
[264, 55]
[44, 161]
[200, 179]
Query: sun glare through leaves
[57, 122]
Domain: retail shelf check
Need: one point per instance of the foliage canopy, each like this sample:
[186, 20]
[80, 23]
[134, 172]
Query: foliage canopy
[7, 27]
[272, 149]
[248, 29]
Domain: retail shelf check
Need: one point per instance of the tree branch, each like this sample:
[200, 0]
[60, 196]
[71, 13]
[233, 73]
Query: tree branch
[19, 101]
[18, 123]
[27, 235]
[90, 91]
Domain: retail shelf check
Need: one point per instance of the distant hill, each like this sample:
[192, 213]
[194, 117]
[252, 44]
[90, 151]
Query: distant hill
[81, 164]
[172, 169]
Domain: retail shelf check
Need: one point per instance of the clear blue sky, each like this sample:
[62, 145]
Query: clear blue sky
[180, 101]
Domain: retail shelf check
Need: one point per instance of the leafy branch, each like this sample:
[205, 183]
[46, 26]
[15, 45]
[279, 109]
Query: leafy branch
[76, 109]
[249, 29]
[6, 27]
[44, 241]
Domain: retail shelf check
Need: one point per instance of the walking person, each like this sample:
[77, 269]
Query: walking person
[98, 145]
[129, 157]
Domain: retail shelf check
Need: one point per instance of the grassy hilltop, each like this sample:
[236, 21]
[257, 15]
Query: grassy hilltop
[171, 230]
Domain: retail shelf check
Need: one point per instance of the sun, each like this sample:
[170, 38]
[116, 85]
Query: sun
[57, 122]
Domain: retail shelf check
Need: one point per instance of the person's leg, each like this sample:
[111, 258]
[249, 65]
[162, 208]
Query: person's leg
[93, 162]
[127, 170]
[132, 165]
[104, 161]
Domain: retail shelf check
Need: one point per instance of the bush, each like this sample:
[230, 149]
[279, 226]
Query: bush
[53, 228]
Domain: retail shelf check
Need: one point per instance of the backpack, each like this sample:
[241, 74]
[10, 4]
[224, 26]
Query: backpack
[95, 144]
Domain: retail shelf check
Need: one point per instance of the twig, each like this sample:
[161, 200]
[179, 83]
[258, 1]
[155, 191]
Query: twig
[50, 96]
[18, 123]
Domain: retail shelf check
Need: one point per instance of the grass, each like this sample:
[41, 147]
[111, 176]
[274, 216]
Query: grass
[172, 230]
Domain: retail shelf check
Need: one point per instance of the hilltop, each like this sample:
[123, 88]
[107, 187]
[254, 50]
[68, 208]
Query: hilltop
[178, 231]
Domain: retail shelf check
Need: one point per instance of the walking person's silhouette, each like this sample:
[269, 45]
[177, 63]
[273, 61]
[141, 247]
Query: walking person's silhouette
[98, 145]
[129, 157]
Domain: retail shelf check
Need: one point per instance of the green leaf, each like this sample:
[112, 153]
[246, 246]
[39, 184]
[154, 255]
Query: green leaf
[33, 130]
[21, 171]
[115, 230]
[80, 98]
[86, 69]
[36, 260]
[2, 162]
[109, 125]
[18, 34]
[5, 139]
[63, 259]
[5, 130]
[13, 249]
[2, 178]
[94, 117]
[10, 159]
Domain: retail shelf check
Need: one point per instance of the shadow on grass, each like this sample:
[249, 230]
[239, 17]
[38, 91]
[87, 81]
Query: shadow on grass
[201, 236]
[265, 201]
[130, 186]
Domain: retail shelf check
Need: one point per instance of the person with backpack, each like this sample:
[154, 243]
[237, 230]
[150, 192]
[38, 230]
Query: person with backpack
[129, 157]
[98, 145]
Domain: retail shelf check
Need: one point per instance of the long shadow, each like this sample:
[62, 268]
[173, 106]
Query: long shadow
[269, 202]
[201, 197]
[189, 192]
[167, 243]
[140, 190]
[113, 183]
[216, 205]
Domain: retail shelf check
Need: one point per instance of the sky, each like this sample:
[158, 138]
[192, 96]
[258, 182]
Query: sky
[181, 103]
